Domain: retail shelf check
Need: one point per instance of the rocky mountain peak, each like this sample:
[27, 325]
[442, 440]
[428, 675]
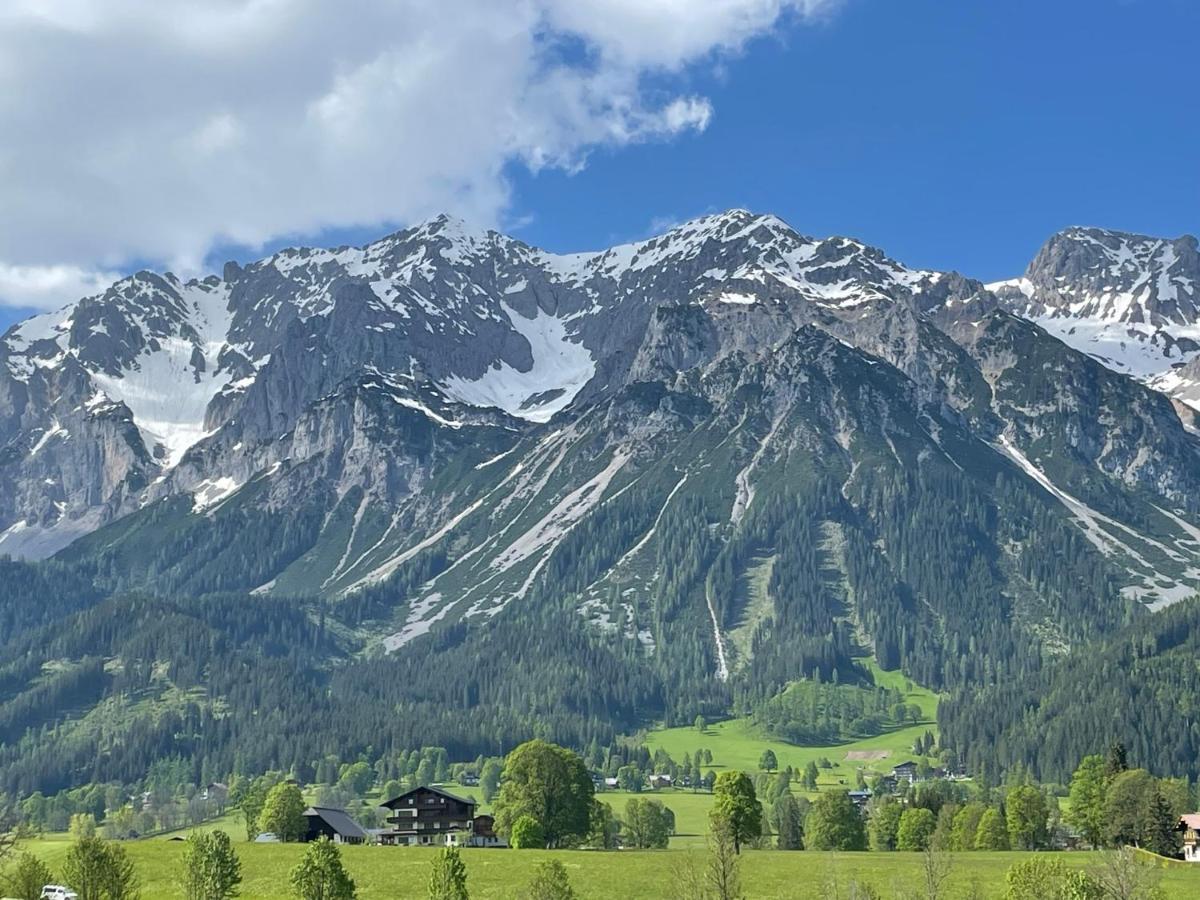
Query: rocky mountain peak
[1115, 276]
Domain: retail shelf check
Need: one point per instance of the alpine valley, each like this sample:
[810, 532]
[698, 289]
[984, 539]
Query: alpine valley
[451, 489]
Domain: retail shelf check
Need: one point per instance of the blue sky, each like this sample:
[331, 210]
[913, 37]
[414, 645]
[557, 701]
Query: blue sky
[951, 134]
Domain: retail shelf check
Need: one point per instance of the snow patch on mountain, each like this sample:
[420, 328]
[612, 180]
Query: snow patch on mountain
[560, 369]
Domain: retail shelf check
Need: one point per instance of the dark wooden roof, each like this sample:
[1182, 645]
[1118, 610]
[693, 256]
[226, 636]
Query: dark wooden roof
[391, 804]
[338, 820]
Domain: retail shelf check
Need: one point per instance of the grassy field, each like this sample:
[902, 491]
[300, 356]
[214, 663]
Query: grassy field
[399, 873]
[737, 744]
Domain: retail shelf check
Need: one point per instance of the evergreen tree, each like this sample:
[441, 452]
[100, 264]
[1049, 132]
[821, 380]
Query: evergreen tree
[1158, 828]
[789, 823]
[1117, 761]
[810, 776]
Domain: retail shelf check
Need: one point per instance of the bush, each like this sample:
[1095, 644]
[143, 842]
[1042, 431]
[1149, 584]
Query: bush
[527, 834]
[550, 882]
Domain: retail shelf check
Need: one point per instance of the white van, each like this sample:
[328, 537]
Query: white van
[58, 892]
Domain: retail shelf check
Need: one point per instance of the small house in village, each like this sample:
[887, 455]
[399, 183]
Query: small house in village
[426, 815]
[482, 834]
[906, 771]
[335, 824]
[1190, 826]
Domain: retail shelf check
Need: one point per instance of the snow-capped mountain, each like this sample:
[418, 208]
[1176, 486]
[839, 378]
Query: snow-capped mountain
[450, 319]
[450, 410]
[1130, 301]
[654, 476]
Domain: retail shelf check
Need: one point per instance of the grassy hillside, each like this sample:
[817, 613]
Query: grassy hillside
[737, 744]
[395, 872]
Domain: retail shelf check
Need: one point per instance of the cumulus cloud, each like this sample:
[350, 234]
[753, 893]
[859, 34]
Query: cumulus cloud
[48, 287]
[154, 130]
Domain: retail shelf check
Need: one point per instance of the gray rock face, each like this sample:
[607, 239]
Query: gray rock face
[361, 372]
[1128, 300]
[1111, 275]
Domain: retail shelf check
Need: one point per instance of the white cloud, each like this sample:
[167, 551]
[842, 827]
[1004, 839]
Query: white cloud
[155, 129]
[48, 287]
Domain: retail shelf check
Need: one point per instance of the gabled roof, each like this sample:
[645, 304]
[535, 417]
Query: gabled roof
[1191, 820]
[391, 804]
[338, 820]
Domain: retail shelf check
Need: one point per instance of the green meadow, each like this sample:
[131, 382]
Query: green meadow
[400, 873]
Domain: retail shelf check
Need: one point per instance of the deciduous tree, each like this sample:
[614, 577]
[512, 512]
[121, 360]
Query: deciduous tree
[283, 813]
[448, 876]
[767, 761]
[551, 784]
[992, 833]
[27, 877]
[1089, 786]
[737, 807]
[1026, 816]
[834, 823]
[320, 874]
[915, 829]
[211, 869]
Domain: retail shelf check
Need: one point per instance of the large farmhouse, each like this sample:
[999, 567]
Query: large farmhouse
[426, 815]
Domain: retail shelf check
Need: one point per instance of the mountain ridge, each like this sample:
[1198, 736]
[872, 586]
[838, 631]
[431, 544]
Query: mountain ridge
[428, 464]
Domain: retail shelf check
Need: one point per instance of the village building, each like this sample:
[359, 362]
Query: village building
[332, 823]
[482, 834]
[1190, 826]
[860, 799]
[906, 771]
[427, 815]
